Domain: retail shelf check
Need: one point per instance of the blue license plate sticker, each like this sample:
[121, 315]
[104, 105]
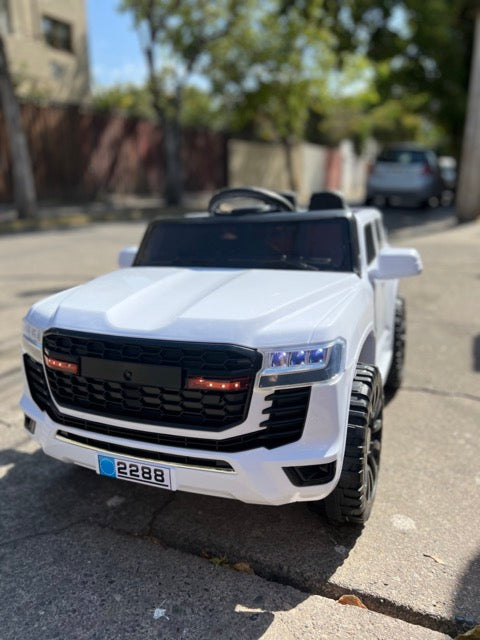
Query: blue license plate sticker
[106, 466]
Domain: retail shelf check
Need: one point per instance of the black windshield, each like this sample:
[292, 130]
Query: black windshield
[267, 244]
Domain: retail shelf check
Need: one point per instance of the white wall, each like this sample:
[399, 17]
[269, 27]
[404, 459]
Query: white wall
[264, 165]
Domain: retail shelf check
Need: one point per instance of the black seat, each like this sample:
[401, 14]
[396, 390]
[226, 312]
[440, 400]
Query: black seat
[324, 200]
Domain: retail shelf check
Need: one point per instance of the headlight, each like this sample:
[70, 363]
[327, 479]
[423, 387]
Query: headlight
[32, 333]
[300, 365]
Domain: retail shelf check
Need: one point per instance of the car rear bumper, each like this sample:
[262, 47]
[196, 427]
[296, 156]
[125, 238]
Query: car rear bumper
[416, 193]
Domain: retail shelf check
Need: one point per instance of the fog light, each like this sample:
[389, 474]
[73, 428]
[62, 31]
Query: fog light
[29, 424]
[311, 475]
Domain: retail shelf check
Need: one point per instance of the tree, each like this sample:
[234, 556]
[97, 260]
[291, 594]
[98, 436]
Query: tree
[199, 109]
[283, 70]
[128, 99]
[419, 49]
[23, 182]
[176, 37]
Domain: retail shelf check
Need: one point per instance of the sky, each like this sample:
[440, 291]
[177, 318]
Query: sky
[114, 48]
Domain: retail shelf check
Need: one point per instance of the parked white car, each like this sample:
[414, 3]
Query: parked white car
[240, 353]
[405, 174]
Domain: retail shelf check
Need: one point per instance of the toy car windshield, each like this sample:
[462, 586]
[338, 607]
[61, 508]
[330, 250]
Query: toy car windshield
[269, 243]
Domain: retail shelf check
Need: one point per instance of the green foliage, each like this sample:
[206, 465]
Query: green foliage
[178, 38]
[198, 107]
[284, 69]
[128, 99]
[419, 49]
[320, 69]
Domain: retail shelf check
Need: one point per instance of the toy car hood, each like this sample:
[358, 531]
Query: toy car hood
[256, 307]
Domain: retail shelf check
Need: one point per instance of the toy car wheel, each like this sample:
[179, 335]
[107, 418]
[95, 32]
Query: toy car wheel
[352, 499]
[395, 375]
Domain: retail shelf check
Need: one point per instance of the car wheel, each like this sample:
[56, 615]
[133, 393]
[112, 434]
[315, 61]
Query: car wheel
[432, 202]
[352, 499]
[395, 374]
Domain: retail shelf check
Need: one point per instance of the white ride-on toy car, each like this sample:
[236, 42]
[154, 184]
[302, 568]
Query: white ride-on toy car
[241, 352]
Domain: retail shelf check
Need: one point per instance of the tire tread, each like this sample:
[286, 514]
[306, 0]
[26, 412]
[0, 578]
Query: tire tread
[348, 502]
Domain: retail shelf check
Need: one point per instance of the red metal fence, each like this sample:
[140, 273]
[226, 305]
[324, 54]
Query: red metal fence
[79, 154]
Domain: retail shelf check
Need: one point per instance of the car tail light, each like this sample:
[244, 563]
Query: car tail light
[426, 170]
[208, 384]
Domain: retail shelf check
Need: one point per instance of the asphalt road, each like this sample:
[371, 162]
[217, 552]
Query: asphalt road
[88, 557]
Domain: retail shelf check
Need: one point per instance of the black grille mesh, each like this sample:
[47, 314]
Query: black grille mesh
[196, 358]
[285, 420]
[36, 382]
[194, 409]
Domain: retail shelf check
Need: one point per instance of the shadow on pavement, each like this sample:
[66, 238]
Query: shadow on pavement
[61, 520]
[468, 591]
[476, 353]
[396, 219]
[288, 544]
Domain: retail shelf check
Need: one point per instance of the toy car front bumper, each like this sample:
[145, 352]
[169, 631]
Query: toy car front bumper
[257, 476]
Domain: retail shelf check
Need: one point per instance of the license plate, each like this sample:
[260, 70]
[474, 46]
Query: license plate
[135, 471]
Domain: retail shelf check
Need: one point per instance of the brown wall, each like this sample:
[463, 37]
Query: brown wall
[80, 154]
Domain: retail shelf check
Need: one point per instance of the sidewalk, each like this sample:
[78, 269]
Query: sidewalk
[114, 207]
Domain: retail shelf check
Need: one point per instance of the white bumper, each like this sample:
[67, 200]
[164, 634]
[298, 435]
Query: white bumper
[257, 475]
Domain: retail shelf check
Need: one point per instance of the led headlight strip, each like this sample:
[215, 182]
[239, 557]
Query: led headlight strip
[300, 365]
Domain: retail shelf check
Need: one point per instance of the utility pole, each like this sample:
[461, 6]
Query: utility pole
[468, 193]
[23, 183]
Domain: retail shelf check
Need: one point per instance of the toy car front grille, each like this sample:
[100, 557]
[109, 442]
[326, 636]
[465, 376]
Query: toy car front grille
[168, 403]
[284, 425]
[280, 428]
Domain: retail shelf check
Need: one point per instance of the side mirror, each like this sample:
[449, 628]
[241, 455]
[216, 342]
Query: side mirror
[126, 257]
[397, 263]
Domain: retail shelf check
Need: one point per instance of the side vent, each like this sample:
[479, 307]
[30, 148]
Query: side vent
[286, 416]
[37, 382]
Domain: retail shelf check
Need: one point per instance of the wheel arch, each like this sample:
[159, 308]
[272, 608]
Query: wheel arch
[366, 354]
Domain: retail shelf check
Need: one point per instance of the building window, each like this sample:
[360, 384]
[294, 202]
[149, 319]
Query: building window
[57, 34]
[4, 17]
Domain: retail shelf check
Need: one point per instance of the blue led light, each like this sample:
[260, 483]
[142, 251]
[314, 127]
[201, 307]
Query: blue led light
[279, 359]
[297, 358]
[317, 356]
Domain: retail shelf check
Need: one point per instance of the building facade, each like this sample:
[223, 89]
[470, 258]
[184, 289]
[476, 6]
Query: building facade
[46, 46]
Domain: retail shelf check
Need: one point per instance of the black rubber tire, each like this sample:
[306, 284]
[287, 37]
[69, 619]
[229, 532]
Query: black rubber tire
[395, 374]
[352, 499]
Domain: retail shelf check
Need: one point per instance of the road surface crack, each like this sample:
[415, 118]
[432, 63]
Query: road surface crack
[442, 393]
[39, 534]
